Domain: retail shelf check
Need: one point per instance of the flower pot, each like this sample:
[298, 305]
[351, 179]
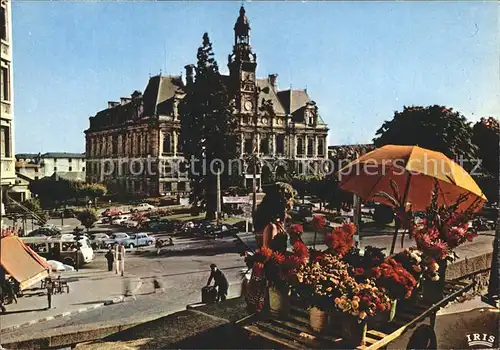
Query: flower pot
[279, 301]
[334, 321]
[353, 331]
[318, 319]
[384, 317]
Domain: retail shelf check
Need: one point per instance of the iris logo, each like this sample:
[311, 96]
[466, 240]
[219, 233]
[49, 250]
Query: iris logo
[478, 339]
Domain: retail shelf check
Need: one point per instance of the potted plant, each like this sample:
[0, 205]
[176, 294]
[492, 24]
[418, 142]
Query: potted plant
[359, 303]
[319, 284]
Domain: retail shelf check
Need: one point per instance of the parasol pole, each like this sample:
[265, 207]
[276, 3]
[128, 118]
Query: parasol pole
[403, 207]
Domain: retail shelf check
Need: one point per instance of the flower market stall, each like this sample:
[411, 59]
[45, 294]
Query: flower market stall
[340, 298]
[346, 298]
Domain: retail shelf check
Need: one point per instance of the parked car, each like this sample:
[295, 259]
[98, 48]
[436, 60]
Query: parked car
[220, 230]
[97, 240]
[45, 232]
[111, 212]
[160, 225]
[143, 207]
[118, 220]
[138, 239]
[116, 238]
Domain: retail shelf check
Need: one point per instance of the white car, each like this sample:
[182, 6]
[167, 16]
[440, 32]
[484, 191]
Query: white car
[120, 219]
[116, 238]
[143, 207]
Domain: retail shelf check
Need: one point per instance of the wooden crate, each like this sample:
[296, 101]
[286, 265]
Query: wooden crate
[294, 331]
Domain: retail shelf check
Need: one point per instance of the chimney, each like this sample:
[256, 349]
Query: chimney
[112, 104]
[272, 80]
[189, 74]
[124, 100]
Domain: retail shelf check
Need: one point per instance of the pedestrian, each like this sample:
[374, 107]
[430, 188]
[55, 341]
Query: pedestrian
[110, 257]
[50, 289]
[220, 282]
[158, 245]
[157, 285]
[127, 289]
[120, 257]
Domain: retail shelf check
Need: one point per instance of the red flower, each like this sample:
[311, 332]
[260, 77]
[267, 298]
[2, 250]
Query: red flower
[296, 228]
[279, 258]
[318, 222]
[349, 228]
[300, 250]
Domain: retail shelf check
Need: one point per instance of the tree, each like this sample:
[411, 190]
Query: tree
[207, 129]
[91, 190]
[434, 127]
[51, 190]
[486, 135]
[32, 204]
[87, 217]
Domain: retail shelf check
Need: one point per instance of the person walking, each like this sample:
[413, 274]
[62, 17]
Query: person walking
[50, 290]
[120, 257]
[220, 282]
[110, 257]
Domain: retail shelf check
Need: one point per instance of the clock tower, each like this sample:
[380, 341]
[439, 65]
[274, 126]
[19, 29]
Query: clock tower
[242, 64]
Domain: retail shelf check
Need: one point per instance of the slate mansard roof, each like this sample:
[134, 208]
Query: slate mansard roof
[157, 100]
[162, 90]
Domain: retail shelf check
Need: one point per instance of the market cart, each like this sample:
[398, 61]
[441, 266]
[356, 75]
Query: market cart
[413, 320]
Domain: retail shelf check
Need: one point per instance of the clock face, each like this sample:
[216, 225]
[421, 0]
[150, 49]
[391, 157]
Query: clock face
[248, 105]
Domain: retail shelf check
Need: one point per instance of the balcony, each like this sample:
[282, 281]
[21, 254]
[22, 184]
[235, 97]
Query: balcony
[8, 169]
[5, 50]
[5, 111]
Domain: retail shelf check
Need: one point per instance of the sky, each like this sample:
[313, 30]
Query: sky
[360, 61]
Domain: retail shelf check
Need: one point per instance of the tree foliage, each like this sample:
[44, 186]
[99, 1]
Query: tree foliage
[486, 135]
[91, 190]
[434, 127]
[32, 204]
[208, 127]
[87, 217]
[51, 190]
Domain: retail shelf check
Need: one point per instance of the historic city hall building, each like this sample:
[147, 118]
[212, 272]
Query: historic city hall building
[142, 132]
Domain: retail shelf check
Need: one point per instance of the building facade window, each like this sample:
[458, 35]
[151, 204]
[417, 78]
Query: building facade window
[83, 169]
[55, 168]
[5, 82]
[310, 147]
[115, 144]
[300, 146]
[167, 187]
[280, 144]
[167, 143]
[264, 145]
[321, 147]
[5, 141]
[70, 168]
[181, 186]
[69, 160]
[3, 25]
[248, 146]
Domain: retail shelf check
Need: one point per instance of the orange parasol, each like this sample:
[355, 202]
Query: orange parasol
[415, 171]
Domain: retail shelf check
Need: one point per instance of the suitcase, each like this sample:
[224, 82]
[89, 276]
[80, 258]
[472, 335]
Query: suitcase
[208, 295]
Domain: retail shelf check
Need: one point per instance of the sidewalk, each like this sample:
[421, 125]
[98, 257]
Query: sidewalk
[89, 289]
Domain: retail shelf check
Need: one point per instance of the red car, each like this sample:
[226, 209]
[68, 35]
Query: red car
[111, 212]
